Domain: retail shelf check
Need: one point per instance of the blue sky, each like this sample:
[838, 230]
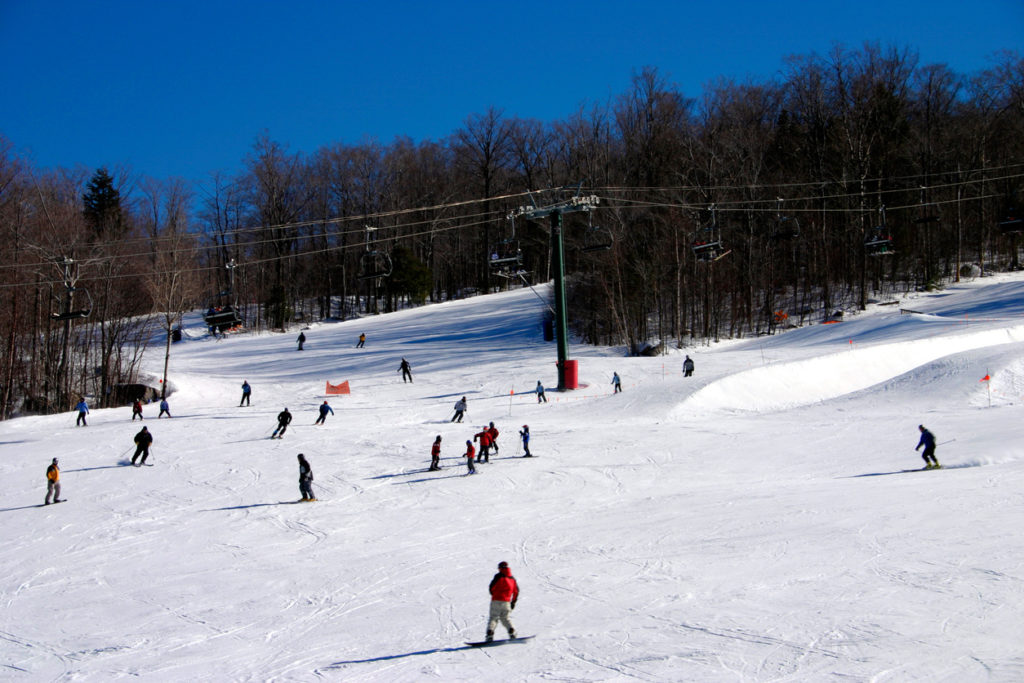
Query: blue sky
[182, 88]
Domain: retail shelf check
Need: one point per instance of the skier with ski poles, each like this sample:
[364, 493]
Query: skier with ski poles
[928, 441]
[284, 418]
[143, 440]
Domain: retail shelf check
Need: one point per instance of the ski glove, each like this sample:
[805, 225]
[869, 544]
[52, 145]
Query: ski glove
[512, 606]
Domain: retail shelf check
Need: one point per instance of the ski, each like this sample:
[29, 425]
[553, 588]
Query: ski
[492, 643]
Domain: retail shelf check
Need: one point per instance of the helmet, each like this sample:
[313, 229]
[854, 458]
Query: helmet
[503, 565]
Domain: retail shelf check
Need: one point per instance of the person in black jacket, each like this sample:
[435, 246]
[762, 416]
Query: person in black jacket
[688, 367]
[142, 442]
[284, 418]
[928, 441]
[305, 480]
[406, 371]
[302, 339]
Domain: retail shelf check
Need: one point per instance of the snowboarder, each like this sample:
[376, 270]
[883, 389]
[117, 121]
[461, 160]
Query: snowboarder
[165, 407]
[928, 441]
[142, 442]
[688, 367]
[460, 410]
[305, 480]
[524, 434]
[324, 409]
[246, 393]
[362, 340]
[406, 371]
[617, 382]
[302, 339]
[53, 483]
[435, 455]
[470, 452]
[541, 398]
[504, 593]
[485, 445]
[493, 431]
[83, 410]
[284, 418]
[137, 409]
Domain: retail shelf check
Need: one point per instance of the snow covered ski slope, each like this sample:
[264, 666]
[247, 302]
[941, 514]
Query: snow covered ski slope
[750, 523]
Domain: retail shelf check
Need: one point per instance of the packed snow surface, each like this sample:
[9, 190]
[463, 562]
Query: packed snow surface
[762, 520]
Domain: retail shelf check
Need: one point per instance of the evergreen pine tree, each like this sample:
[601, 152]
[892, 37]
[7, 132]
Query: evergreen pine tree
[103, 204]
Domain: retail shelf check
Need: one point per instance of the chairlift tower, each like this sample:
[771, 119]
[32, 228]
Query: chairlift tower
[554, 211]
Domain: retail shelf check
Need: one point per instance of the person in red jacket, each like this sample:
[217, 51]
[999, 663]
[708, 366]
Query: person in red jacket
[493, 431]
[435, 455]
[504, 593]
[470, 452]
[485, 445]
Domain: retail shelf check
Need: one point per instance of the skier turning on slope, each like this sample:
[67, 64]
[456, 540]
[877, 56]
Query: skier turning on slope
[460, 410]
[928, 441]
[406, 371]
[284, 418]
[324, 409]
[504, 593]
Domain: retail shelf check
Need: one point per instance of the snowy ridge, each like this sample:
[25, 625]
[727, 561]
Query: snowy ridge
[763, 520]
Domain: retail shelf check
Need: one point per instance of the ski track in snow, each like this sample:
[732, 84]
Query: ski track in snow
[753, 522]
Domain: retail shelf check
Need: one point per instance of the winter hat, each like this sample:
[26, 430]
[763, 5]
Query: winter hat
[468, 442]
[55, 461]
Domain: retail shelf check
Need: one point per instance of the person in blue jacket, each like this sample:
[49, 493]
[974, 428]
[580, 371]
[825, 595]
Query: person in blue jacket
[246, 393]
[928, 441]
[524, 434]
[324, 409]
[83, 410]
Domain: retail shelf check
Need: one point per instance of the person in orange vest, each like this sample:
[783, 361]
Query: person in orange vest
[53, 483]
[485, 445]
[470, 452]
[435, 455]
[362, 340]
[504, 594]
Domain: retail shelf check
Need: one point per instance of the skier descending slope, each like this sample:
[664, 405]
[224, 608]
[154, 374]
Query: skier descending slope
[284, 418]
[928, 441]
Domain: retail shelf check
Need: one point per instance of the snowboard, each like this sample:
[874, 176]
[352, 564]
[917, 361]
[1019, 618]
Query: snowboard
[924, 469]
[484, 643]
[62, 500]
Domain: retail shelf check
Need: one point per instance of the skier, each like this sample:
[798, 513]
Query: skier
[302, 339]
[165, 407]
[284, 418]
[435, 455]
[504, 594]
[324, 409]
[493, 431]
[53, 483]
[460, 410]
[485, 445]
[246, 392]
[541, 398]
[305, 480]
[142, 442]
[688, 367]
[470, 452]
[83, 410]
[524, 434]
[362, 340]
[406, 371]
[928, 441]
[137, 409]
[617, 382]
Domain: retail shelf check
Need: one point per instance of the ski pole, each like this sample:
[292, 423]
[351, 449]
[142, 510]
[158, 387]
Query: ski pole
[943, 443]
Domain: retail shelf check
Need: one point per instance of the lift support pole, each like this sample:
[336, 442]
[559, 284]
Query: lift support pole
[555, 211]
